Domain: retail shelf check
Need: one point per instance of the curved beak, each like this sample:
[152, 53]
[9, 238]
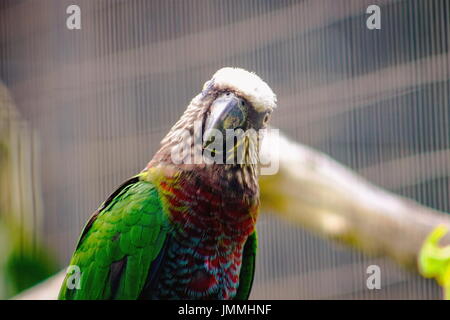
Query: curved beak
[227, 112]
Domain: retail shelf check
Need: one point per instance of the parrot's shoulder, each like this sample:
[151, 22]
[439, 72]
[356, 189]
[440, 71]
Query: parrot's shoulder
[119, 243]
[135, 196]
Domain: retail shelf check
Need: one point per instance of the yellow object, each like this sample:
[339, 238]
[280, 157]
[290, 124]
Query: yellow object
[434, 261]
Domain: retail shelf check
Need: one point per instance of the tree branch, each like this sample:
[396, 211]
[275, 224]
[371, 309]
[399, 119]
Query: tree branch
[319, 194]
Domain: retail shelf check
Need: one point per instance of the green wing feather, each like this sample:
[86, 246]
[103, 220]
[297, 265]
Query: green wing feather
[248, 268]
[118, 244]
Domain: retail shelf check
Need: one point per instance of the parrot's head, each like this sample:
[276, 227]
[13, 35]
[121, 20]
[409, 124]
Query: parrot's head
[238, 105]
[237, 99]
[229, 113]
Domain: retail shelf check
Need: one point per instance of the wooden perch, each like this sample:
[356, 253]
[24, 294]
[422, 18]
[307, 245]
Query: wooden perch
[47, 290]
[319, 194]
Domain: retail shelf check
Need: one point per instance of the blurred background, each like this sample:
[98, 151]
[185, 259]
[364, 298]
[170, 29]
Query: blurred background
[82, 110]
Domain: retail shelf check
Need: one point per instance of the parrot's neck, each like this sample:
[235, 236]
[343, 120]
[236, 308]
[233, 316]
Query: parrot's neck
[218, 200]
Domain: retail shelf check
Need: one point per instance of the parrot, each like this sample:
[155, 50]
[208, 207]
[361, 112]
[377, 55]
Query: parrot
[183, 229]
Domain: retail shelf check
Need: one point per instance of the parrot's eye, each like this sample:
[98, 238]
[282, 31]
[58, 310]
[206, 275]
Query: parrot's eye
[266, 119]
